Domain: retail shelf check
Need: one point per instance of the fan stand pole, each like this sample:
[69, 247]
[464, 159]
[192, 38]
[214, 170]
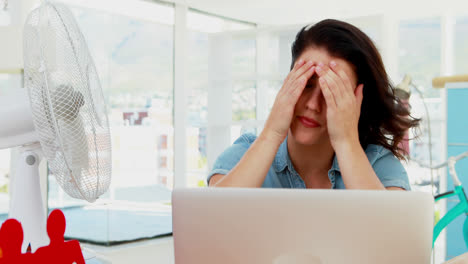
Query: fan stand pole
[26, 203]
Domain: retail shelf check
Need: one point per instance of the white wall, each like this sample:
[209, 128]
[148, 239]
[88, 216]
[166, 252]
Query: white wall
[11, 44]
[11, 48]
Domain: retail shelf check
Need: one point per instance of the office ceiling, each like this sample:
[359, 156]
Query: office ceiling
[286, 12]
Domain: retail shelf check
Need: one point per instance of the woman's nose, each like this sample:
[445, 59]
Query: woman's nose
[314, 100]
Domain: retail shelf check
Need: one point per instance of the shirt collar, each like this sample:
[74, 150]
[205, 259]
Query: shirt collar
[282, 159]
[335, 166]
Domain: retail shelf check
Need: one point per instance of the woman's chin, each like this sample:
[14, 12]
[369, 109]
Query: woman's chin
[306, 138]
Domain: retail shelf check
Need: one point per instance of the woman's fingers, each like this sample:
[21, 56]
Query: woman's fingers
[302, 81]
[340, 72]
[351, 91]
[327, 93]
[297, 75]
[330, 91]
[297, 79]
[339, 75]
[297, 65]
[332, 80]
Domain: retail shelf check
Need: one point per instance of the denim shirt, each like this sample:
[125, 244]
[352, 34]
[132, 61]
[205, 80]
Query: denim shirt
[282, 174]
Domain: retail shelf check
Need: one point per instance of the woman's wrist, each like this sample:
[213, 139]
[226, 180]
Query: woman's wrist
[347, 146]
[270, 137]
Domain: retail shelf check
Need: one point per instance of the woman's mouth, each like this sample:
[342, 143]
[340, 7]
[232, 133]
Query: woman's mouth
[308, 122]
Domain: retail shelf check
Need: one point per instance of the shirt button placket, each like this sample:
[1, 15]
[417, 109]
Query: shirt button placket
[299, 182]
[331, 176]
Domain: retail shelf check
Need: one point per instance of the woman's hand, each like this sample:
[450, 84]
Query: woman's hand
[278, 122]
[343, 101]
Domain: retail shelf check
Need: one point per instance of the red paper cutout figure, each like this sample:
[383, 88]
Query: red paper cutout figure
[11, 239]
[57, 252]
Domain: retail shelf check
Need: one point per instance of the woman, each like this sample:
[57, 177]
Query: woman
[335, 122]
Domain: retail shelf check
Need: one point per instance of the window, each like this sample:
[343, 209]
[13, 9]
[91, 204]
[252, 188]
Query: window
[197, 105]
[244, 85]
[275, 64]
[419, 56]
[461, 45]
[210, 44]
[419, 53]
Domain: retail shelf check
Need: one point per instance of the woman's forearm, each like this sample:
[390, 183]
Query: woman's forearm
[355, 168]
[254, 165]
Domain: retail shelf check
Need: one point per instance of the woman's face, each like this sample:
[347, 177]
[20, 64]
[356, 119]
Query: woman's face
[309, 123]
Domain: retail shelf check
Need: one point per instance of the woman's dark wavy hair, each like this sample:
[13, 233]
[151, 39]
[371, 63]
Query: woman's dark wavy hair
[384, 119]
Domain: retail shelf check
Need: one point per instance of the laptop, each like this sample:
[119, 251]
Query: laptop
[297, 226]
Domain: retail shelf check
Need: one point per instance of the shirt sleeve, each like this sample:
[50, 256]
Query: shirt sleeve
[390, 171]
[231, 156]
